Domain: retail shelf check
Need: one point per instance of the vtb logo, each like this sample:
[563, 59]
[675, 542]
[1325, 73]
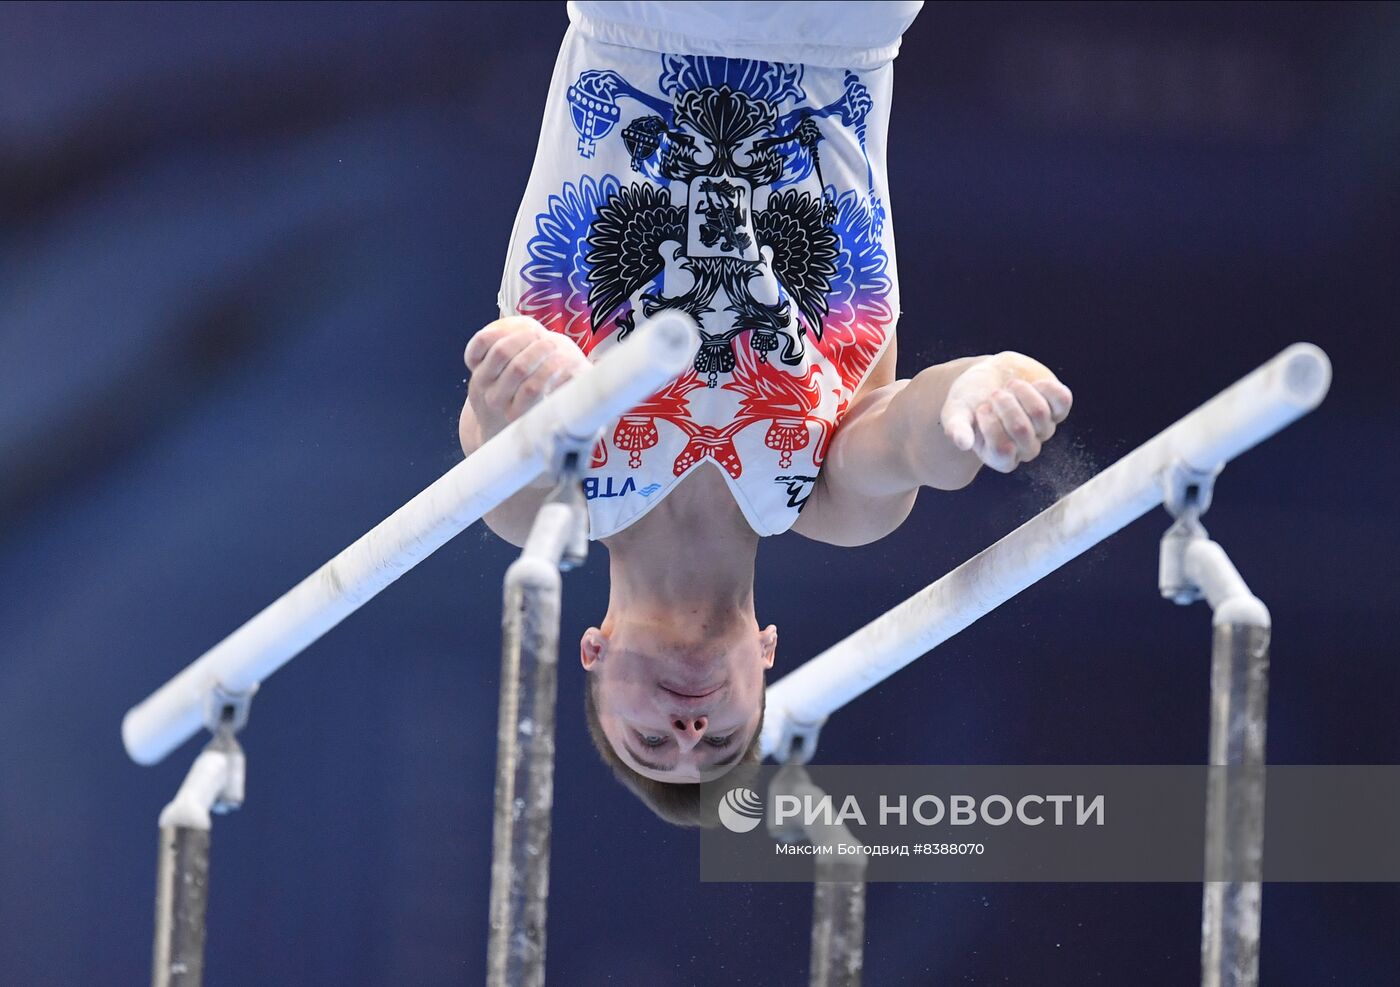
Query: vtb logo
[593, 490]
[741, 810]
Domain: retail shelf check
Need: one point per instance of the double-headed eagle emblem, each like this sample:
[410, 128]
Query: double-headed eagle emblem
[722, 146]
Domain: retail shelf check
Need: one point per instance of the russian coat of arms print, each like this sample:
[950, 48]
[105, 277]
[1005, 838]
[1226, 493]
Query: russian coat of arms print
[722, 212]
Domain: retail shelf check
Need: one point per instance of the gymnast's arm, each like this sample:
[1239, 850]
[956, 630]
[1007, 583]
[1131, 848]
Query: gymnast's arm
[934, 430]
[514, 362]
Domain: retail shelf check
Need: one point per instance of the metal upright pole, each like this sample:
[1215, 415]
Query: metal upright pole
[1194, 567]
[838, 922]
[182, 894]
[838, 894]
[1230, 914]
[525, 740]
[214, 784]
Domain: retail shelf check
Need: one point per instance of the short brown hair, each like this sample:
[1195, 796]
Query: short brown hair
[679, 803]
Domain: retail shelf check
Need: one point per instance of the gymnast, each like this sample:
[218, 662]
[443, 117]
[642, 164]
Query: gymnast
[726, 161]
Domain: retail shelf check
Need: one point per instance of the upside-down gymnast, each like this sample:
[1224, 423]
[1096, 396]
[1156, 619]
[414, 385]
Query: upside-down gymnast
[727, 160]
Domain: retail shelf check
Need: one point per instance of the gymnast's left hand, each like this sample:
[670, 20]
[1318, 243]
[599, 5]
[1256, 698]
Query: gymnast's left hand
[1003, 408]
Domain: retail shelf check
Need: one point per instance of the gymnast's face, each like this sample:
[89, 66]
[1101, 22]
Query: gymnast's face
[674, 708]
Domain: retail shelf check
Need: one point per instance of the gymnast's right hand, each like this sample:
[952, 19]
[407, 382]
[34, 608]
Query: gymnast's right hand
[514, 362]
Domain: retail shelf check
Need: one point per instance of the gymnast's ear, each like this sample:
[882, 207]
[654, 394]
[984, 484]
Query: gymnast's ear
[768, 644]
[591, 647]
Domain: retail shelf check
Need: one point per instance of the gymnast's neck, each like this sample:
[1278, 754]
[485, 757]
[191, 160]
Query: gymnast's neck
[692, 555]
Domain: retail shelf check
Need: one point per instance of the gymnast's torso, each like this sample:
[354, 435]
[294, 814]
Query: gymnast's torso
[749, 192]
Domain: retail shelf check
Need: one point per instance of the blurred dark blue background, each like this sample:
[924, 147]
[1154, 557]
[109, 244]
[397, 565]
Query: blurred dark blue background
[241, 248]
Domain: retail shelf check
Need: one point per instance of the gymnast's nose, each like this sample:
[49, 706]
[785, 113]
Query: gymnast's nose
[689, 730]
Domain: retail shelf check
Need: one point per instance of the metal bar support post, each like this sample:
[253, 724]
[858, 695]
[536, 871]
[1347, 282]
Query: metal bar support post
[214, 784]
[838, 891]
[525, 735]
[1193, 567]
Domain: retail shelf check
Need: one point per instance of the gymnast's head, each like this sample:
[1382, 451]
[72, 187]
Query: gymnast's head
[672, 704]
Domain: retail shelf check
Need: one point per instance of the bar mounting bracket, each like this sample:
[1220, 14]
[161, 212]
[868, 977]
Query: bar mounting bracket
[1186, 494]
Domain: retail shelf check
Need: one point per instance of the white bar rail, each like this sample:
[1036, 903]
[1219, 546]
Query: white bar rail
[658, 351]
[1251, 410]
